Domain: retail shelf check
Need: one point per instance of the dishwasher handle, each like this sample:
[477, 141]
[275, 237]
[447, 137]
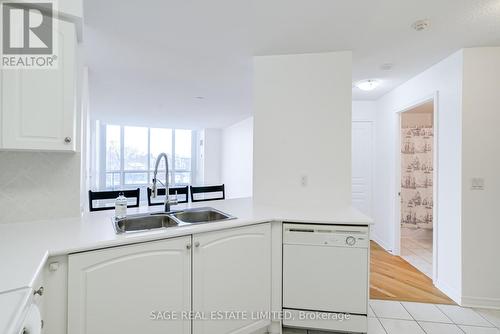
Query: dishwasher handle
[322, 230]
[301, 230]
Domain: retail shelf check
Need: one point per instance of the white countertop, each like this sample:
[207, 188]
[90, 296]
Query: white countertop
[24, 247]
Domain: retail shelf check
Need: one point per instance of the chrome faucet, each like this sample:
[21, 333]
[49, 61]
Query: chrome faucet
[168, 201]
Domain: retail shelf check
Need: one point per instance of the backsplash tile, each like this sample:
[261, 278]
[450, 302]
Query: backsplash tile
[36, 185]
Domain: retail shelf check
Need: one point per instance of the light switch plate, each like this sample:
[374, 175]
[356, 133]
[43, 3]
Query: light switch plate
[477, 183]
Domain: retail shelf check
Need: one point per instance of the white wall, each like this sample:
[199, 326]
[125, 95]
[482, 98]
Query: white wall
[86, 151]
[209, 156]
[364, 111]
[199, 170]
[213, 155]
[302, 128]
[237, 159]
[481, 159]
[446, 79]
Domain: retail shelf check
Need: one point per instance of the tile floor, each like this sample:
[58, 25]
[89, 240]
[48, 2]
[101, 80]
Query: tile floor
[416, 248]
[389, 317]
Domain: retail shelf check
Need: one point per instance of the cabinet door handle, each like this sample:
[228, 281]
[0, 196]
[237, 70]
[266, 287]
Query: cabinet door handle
[197, 244]
[188, 246]
[67, 140]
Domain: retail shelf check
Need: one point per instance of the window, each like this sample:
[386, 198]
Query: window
[161, 141]
[113, 149]
[135, 155]
[129, 154]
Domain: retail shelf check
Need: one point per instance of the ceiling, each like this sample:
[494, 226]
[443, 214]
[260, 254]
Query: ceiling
[188, 63]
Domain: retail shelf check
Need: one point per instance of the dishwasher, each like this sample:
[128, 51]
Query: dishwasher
[325, 276]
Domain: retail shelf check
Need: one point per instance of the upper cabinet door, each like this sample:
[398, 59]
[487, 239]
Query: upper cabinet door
[232, 272]
[39, 106]
[131, 289]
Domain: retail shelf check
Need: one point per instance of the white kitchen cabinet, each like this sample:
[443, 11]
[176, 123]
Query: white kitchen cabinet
[232, 273]
[38, 109]
[114, 290]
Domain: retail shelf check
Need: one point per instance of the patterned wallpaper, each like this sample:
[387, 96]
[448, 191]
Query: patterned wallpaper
[417, 174]
[35, 186]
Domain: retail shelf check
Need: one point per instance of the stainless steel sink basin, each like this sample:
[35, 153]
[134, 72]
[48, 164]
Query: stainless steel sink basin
[200, 215]
[144, 222]
[154, 221]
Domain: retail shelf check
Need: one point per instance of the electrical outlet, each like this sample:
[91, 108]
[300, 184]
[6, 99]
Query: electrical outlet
[477, 183]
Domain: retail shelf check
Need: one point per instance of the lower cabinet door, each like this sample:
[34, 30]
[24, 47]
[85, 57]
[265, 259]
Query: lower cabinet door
[131, 289]
[232, 280]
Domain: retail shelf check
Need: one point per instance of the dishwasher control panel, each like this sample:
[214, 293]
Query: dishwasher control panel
[326, 235]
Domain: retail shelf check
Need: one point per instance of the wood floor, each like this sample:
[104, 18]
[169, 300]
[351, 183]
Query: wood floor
[392, 278]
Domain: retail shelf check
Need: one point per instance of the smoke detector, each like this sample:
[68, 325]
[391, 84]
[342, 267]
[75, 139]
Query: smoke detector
[421, 25]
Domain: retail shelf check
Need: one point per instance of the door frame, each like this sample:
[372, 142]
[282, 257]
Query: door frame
[397, 203]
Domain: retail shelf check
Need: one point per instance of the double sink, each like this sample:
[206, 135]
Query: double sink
[154, 221]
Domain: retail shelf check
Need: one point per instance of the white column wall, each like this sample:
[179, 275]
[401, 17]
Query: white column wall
[302, 129]
[481, 159]
[237, 159]
[211, 155]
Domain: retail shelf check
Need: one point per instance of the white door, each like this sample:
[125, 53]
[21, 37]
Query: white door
[115, 290]
[232, 272]
[38, 106]
[362, 166]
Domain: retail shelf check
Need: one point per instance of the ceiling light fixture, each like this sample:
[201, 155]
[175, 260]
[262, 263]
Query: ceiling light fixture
[421, 25]
[368, 84]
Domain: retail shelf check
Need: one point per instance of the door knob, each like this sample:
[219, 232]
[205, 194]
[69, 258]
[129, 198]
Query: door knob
[67, 140]
[39, 291]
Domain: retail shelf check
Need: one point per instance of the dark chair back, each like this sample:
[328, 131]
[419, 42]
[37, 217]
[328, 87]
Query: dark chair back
[103, 195]
[173, 191]
[207, 190]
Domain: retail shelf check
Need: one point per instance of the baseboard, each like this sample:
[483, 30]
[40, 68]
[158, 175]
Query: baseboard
[381, 242]
[451, 292]
[481, 302]
[468, 301]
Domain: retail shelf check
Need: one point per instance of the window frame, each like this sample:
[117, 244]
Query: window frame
[104, 172]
